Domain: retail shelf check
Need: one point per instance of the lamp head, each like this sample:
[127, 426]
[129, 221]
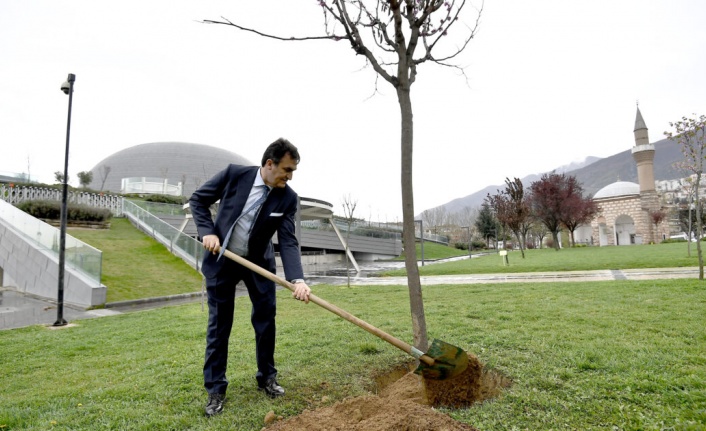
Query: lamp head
[66, 86]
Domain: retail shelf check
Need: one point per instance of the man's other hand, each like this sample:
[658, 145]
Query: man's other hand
[301, 292]
[211, 243]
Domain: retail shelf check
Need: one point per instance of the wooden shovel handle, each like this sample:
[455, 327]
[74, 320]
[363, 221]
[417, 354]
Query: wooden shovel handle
[334, 309]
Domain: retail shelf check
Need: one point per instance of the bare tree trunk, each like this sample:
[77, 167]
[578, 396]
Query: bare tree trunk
[555, 237]
[349, 205]
[691, 229]
[699, 227]
[419, 326]
[520, 243]
[348, 262]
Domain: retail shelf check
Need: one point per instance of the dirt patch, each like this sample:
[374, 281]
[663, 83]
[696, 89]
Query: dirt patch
[404, 402]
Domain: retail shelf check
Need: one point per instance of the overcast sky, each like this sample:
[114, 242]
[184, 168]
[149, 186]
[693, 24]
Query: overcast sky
[548, 82]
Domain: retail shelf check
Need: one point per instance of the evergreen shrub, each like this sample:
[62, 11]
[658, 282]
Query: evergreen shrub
[51, 210]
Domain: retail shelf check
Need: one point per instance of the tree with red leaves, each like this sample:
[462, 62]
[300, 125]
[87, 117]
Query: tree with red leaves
[512, 210]
[657, 216]
[547, 197]
[576, 209]
[557, 200]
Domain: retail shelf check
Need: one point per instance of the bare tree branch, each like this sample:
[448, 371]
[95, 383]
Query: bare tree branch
[270, 36]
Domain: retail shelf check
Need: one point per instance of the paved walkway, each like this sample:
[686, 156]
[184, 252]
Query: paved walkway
[18, 310]
[533, 277]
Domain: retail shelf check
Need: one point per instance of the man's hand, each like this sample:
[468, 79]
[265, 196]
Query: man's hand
[301, 292]
[211, 243]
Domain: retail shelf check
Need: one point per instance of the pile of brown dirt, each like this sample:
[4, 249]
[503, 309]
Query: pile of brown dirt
[404, 405]
[463, 390]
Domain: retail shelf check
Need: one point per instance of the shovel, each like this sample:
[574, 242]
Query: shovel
[442, 360]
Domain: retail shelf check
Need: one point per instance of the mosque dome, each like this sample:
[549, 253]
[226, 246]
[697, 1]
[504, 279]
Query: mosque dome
[190, 164]
[619, 188]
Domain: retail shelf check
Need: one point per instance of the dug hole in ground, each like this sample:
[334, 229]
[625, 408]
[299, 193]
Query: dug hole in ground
[405, 402]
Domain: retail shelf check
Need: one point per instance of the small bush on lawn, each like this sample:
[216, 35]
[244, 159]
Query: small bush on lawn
[162, 199]
[476, 244]
[51, 210]
[672, 240]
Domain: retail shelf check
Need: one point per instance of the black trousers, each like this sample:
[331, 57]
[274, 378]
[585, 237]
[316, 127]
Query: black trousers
[221, 305]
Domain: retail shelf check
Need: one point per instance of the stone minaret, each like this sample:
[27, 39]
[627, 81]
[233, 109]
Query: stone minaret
[644, 154]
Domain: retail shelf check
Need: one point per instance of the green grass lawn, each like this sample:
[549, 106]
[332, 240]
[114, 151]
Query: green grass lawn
[570, 259]
[136, 266]
[614, 355]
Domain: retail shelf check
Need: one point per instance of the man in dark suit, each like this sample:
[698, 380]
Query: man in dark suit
[255, 203]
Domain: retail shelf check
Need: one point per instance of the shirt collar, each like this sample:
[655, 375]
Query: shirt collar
[260, 182]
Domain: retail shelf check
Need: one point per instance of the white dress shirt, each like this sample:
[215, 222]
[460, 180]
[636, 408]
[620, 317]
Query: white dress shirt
[238, 242]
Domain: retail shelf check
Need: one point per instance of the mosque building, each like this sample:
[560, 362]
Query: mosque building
[627, 208]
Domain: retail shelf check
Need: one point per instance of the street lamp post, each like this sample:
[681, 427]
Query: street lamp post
[68, 88]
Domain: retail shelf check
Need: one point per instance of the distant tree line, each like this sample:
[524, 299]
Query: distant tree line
[548, 205]
[552, 203]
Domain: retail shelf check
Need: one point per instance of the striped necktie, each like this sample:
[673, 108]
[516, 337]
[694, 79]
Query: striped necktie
[247, 216]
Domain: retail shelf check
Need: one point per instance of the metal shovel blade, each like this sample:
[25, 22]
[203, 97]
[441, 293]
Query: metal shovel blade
[449, 361]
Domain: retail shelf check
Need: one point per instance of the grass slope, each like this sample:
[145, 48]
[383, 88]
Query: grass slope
[136, 266]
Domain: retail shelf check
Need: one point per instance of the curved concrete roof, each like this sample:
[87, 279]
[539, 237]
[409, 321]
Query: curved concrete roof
[619, 188]
[190, 164]
[313, 209]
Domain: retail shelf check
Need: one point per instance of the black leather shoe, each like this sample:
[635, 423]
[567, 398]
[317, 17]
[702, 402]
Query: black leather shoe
[215, 404]
[272, 388]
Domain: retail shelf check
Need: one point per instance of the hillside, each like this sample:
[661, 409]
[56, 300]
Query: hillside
[594, 174]
[622, 167]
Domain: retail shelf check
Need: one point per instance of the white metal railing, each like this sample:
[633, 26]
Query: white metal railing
[180, 244]
[161, 208]
[432, 237]
[357, 228]
[79, 255]
[16, 194]
[149, 185]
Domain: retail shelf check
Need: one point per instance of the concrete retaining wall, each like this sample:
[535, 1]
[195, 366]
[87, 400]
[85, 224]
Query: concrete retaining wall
[35, 271]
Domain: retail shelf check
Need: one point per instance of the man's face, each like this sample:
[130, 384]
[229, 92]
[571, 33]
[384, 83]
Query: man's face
[277, 175]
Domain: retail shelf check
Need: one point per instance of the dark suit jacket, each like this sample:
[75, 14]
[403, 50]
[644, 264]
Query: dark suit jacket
[232, 186]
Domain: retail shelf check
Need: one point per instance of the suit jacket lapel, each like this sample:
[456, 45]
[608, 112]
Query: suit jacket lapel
[271, 203]
[245, 182]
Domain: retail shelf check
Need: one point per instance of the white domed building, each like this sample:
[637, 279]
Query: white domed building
[179, 168]
[626, 208]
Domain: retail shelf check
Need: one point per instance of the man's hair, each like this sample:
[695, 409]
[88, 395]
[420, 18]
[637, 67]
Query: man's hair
[276, 150]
